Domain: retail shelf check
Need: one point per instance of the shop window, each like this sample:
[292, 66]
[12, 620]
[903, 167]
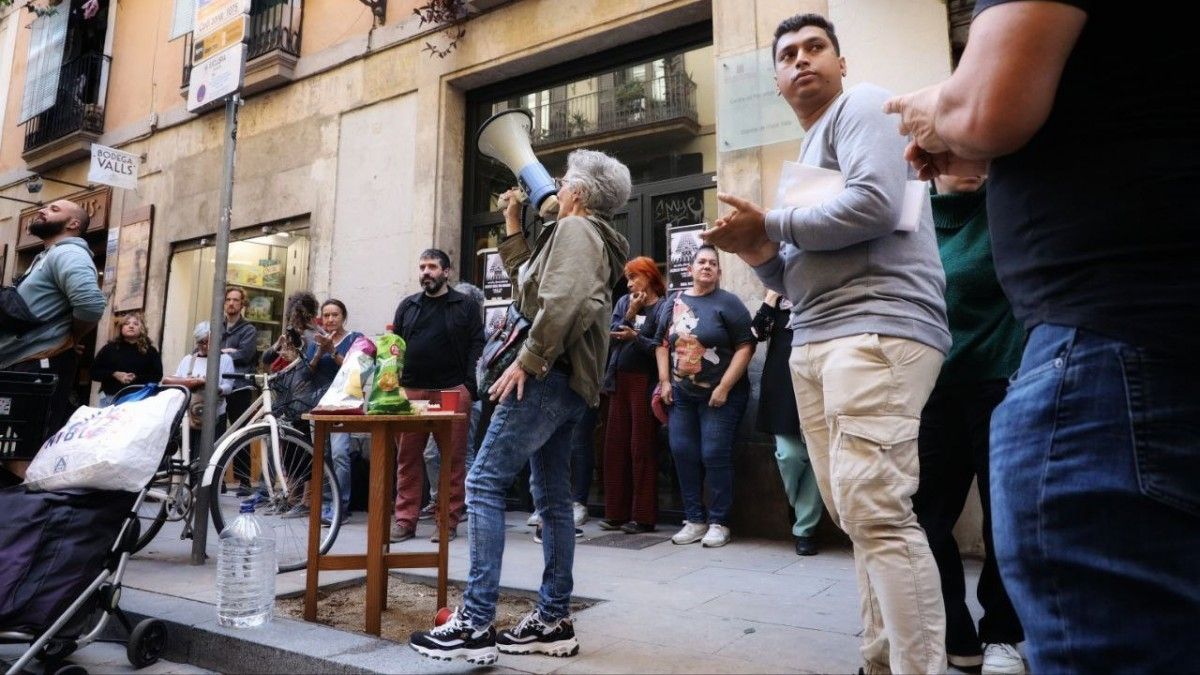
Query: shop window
[270, 263]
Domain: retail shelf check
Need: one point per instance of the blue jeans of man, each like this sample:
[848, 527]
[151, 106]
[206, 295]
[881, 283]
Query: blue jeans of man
[702, 445]
[1096, 503]
[340, 460]
[536, 429]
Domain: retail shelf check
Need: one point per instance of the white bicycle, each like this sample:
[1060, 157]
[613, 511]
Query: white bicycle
[260, 460]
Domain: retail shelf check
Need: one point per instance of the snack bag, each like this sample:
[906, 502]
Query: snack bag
[387, 396]
[347, 395]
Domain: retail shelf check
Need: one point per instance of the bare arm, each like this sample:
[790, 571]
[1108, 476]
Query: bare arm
[664, 373]
[1000, 94]
[1017, 51]
[737, 368]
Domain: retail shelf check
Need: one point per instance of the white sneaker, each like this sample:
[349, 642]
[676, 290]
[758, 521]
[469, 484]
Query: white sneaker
[690, 533]
[1002, 659]
[535, 519]
[580, 513]
[718, 535]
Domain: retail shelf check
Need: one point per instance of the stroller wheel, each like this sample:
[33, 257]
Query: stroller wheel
[71, 669]
[146, 642]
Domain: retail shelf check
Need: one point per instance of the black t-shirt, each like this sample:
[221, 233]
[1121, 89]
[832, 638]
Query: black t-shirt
[703, 332]
[429, 361]
[1095, 222]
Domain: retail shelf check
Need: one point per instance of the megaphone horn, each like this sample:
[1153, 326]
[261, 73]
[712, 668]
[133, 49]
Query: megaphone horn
[505, 138]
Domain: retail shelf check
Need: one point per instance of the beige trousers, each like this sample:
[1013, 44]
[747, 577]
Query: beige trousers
[860, 399]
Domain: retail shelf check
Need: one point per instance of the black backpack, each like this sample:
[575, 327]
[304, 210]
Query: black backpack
[15, 316]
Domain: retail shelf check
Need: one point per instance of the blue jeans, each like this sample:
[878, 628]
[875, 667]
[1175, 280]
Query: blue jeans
[583, 455]
[339, 460]
[702, 445]
[536, 429]
[1095, 465]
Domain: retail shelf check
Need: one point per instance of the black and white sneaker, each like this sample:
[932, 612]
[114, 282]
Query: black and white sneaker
[535, 636]
[457, 639]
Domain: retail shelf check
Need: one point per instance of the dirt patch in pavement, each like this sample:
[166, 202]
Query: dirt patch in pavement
[411, 607]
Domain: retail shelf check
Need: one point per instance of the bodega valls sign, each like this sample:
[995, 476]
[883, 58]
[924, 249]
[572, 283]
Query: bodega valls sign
[113, 167]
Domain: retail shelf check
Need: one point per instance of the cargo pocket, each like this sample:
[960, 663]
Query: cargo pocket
[875, 467]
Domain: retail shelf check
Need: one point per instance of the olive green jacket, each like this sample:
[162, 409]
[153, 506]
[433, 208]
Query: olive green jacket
[564, 287]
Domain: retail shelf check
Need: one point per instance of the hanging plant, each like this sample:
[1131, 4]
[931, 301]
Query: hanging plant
[452, 13]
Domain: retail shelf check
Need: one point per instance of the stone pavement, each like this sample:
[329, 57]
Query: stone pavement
[750, 607]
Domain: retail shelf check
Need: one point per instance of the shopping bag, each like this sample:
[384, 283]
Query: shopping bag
[114, 448]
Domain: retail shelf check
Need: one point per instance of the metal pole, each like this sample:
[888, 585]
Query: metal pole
[216, 320]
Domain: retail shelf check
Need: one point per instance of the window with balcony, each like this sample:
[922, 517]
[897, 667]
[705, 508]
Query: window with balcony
[66, 83]
[272, 44]
[655, 113]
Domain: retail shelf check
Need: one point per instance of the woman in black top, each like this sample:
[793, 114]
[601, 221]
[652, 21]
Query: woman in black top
[127, 359]
[777, 416]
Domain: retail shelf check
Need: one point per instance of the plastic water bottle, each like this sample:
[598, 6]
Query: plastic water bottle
[246, 571]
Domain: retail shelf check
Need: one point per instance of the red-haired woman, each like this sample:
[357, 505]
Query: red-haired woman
[630, 449]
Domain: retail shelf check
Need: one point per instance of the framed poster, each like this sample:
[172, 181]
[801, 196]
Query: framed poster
[496, 284]
[133, 266]
[111, 251]
[494, 316]
[682, 243]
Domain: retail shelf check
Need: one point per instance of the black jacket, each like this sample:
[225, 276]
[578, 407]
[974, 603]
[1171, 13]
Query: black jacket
[243, 337]
[464, 325]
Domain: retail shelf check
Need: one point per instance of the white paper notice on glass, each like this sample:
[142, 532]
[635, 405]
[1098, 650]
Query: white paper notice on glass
[802, 185]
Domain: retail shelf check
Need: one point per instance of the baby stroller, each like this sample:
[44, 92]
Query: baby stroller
[65, 554]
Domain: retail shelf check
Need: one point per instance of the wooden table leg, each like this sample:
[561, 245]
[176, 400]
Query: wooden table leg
[443, 512]
[386, 515]
[377, 533]
[314, 523]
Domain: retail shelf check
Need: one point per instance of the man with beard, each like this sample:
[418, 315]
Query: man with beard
[443, 334]
[61, 290]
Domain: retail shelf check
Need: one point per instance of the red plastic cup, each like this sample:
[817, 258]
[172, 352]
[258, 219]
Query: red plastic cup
[450, 400]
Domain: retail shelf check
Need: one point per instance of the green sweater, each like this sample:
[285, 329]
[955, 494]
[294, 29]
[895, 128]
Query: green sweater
[987, 338]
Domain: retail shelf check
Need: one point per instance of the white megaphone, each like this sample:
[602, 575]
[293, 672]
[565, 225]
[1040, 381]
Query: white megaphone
[505, 138]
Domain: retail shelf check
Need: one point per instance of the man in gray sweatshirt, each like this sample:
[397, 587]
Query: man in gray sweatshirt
[869, 335]
[61, 290]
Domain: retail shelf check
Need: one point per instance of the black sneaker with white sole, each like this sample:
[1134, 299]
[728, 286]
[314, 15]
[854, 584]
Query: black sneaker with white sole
[535, 636]
[457, 639]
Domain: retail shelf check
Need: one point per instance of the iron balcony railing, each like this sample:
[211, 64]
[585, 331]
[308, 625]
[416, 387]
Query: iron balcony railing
[78, 105]
[274, 25]
[614, 109]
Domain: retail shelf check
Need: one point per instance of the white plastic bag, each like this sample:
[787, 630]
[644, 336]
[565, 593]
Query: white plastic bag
[348, 393]
[114, 448]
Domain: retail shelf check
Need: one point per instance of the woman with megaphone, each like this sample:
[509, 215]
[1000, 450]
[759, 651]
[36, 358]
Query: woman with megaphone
[563, 283]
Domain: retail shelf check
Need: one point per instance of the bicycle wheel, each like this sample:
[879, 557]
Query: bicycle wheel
[247, 460]
[161, 499]
[152, 512]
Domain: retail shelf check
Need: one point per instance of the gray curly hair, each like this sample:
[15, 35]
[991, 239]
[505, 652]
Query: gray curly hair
[201, 331]
[604, 181]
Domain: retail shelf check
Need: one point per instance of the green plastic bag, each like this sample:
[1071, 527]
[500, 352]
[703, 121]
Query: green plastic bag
[387, 396]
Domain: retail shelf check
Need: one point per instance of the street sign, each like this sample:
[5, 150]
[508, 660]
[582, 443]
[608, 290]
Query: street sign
[211, 15]
[113, 167]
[216, 77]
[223, 38]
